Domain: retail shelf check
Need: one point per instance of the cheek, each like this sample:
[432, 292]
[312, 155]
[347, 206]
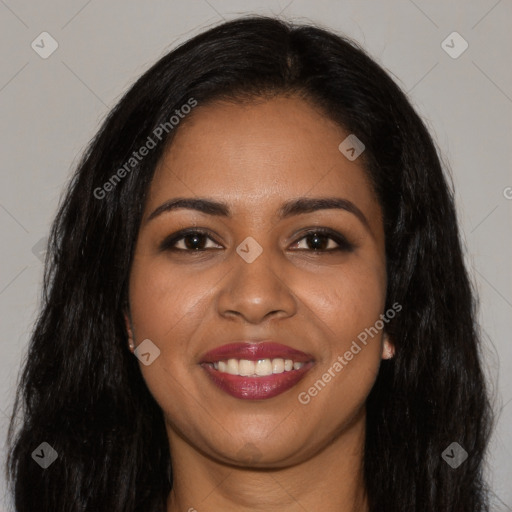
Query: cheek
[163, 299]
[358, 299]
[346, 299]
[346, 307]
[166, 307]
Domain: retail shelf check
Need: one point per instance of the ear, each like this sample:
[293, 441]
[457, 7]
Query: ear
[388, 347]
[129, 330]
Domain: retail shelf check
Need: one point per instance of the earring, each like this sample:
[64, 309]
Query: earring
[131, 345]
[388, 351]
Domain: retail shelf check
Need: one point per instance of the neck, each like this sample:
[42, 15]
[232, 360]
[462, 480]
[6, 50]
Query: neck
[331, 479]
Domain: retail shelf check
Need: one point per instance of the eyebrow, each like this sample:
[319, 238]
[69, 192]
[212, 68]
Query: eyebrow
[293, 207]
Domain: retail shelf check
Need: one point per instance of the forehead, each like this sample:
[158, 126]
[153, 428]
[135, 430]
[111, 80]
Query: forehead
[253, 155]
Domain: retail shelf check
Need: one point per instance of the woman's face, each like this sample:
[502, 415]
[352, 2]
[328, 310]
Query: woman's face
[261, 276]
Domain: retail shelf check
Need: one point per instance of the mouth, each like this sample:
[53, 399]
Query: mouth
[256, 371]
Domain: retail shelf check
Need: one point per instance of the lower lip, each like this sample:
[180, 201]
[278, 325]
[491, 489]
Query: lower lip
[256, 388]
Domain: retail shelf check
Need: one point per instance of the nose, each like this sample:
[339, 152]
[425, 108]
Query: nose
[256, 291]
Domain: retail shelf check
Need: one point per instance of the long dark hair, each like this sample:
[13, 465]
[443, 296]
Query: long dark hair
[81, 390]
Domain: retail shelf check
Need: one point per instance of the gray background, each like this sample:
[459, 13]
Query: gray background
[50, 108]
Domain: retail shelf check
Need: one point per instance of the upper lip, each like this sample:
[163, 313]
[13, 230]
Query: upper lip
[253, 351]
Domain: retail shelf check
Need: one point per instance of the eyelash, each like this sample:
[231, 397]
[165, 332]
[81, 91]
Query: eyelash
[343, 245]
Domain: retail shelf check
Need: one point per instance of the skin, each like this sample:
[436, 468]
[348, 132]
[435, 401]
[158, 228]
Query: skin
[277, 454]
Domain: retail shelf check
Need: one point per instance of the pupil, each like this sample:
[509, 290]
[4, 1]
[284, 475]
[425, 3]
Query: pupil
[317, 240]
[192, 245]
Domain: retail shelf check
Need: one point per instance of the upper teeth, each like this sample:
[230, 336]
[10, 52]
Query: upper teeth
[262, 367]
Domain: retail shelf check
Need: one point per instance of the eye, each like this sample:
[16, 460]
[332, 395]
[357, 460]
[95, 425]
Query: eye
[317, 240]
[188, 240]
[324, 240]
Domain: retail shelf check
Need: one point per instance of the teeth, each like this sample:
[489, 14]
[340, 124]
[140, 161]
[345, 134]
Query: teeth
[232, 367]
[277, 365]
[264, 367]
[246, 367]
[259, 368]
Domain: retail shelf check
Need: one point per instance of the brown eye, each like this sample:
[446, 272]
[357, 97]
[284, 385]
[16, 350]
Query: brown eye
[324, 240]
[188, 240]
[319, 240]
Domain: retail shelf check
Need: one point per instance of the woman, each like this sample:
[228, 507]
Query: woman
[255, 297]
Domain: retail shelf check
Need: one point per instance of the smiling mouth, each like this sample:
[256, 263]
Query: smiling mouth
[256, 371]
[259, 368]
[256, 387]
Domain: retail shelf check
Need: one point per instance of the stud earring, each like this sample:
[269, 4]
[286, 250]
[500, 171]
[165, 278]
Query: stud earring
[389, 351]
